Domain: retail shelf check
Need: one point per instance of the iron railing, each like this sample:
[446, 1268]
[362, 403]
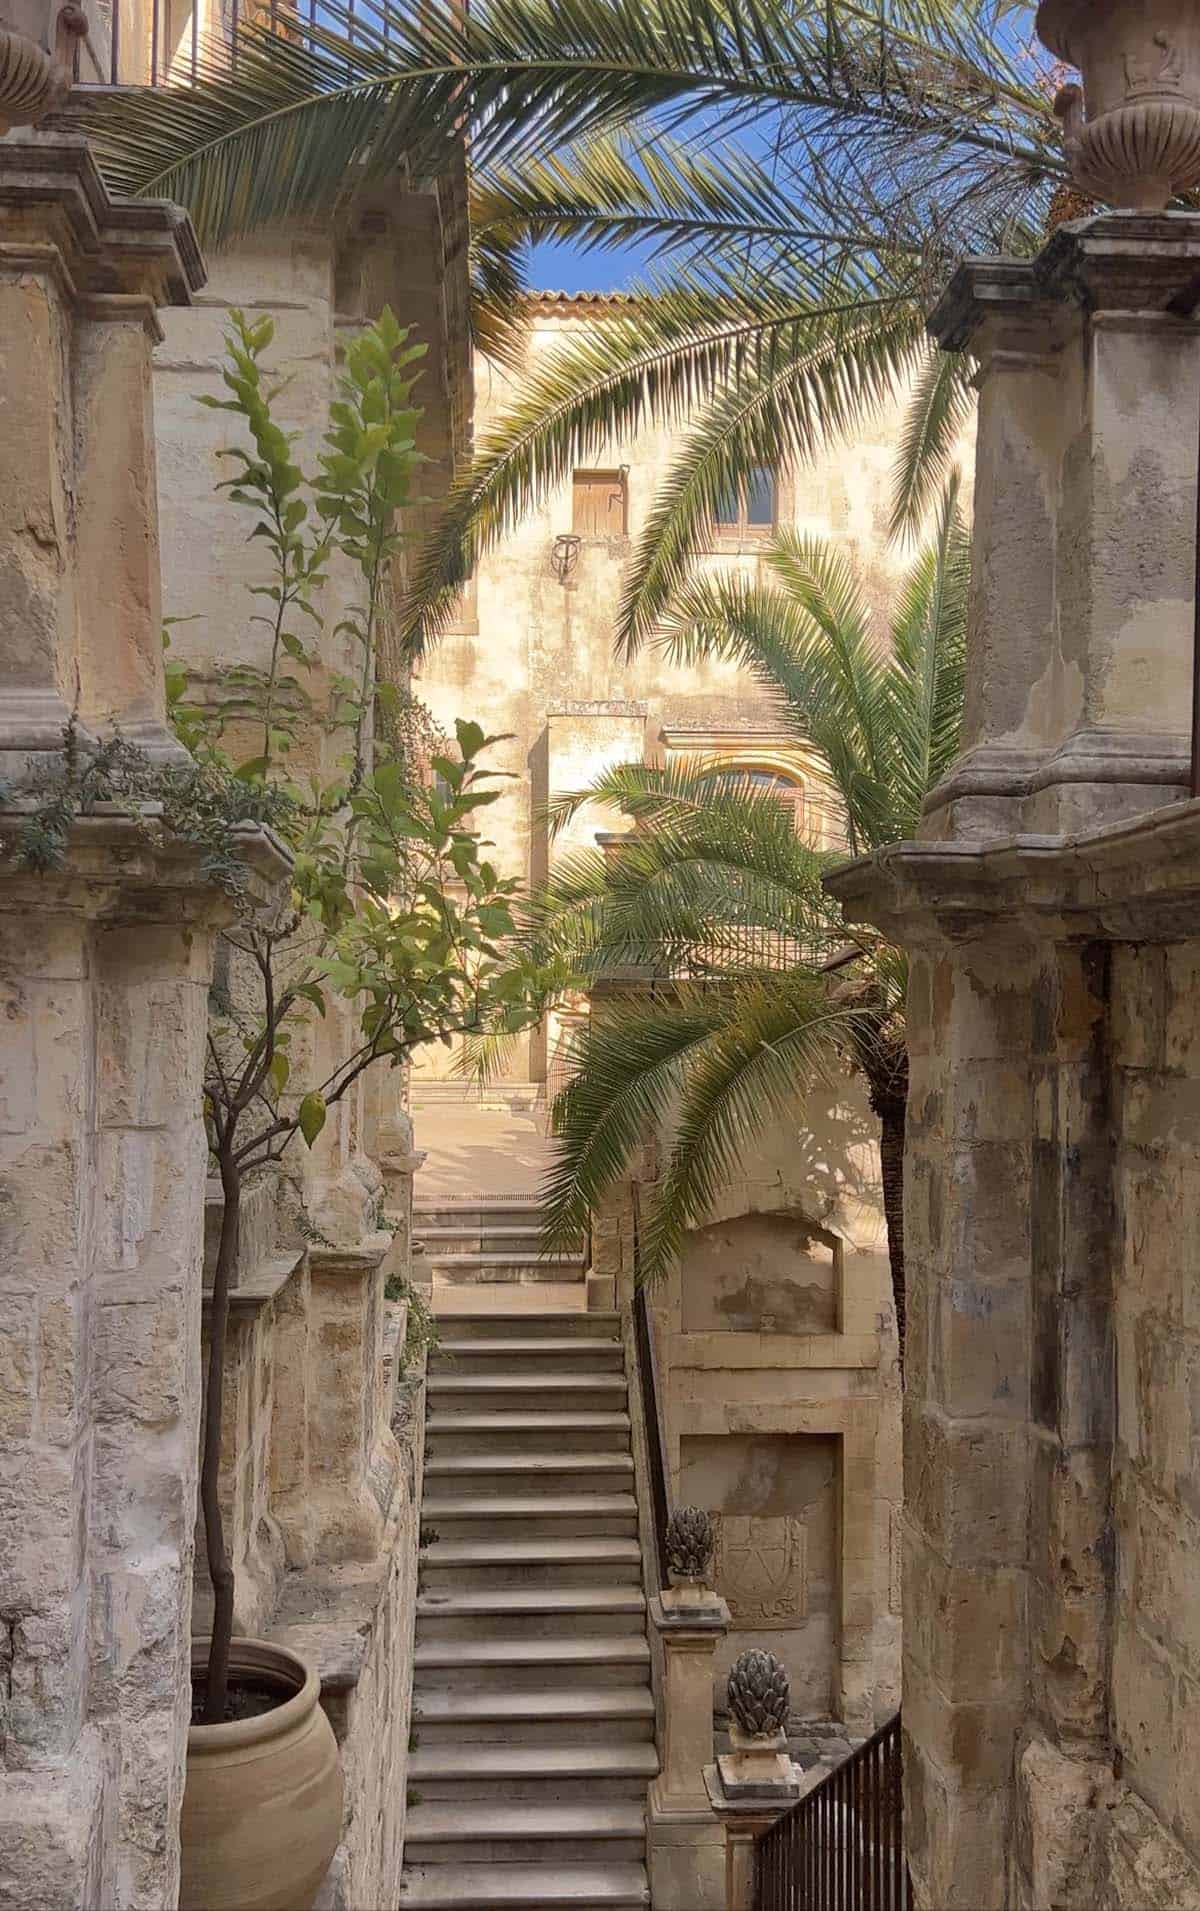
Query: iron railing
[656, 1441]
[170, 42]
[842, 1847]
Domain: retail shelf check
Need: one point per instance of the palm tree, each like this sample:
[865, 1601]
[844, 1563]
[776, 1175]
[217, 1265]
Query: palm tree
[797, 175]
[760, 990]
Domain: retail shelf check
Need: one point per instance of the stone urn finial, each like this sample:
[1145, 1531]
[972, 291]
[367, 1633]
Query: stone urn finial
[32, 81]
[1132, 134]
[758, 1694]
[689, 1542]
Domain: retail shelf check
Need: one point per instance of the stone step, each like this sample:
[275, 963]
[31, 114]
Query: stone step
[486, 1270]
[488, 1211]
[475, 1236]
[524, 1664]
[525, 1432]
[540, 1715]
[548, 1324]
[549, 1563]
[451, 1300]
[529, 1612]
[519, 1473]
[524, 1354]
[476, 1516]
[500, 1833]
[524, 1887]
[593, 1391]
[568, 1773]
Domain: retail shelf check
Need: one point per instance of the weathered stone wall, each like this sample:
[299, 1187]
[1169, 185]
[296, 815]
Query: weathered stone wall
[1050, 912]
[776, 1347]
[1156, 1326]
[104, 970]
[319, 1496]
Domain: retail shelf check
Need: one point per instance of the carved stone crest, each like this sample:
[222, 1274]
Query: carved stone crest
[761, 1568]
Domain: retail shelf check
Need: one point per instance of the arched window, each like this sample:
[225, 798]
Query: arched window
[788, 792]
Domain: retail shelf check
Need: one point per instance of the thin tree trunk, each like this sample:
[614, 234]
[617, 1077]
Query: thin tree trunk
[220, 1568]
[891, 1110]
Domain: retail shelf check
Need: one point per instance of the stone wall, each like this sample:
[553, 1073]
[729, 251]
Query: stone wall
[105, 962]
[320, 1497]
[1052, 915]
[776, 1347]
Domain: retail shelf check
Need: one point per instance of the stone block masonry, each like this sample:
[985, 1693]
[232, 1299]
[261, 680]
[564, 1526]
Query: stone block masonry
[1052, 916]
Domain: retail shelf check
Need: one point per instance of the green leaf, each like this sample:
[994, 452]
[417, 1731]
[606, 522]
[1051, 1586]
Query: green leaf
[311, 1116]
[470, 738]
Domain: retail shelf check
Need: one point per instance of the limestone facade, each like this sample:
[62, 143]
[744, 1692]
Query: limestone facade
[320, 1494]
[775, 1334]
[1050, 1542]
[775, 1341]
[534, 644]
[105, 965]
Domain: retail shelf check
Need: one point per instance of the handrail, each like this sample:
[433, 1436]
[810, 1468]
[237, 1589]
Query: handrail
[656, 1444]
[842, 1847]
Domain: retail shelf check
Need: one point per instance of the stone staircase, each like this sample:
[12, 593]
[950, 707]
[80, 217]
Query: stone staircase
[532, 1707]
[487, 1240]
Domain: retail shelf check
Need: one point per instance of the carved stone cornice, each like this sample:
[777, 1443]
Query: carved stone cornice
[123, 868]
[52, 195]
[1133, 881]
[1130, 262]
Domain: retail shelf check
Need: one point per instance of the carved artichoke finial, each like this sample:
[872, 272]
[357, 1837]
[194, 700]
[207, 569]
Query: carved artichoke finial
[689, 1542]
[758, 1694]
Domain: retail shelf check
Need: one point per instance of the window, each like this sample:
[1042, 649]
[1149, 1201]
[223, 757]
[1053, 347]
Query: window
[786, 791]
[747, 511]
[599, 503]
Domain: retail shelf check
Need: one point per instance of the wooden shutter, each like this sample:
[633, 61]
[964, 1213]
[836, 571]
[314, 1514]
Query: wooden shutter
[598, 504]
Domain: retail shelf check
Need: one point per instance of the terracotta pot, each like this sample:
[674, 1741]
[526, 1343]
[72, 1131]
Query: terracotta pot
[1133, 135]
[262, 1809]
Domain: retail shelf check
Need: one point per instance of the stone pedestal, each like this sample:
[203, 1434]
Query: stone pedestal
[81, 277]
[684, 1842]
[748, 1792]
[1079, 686]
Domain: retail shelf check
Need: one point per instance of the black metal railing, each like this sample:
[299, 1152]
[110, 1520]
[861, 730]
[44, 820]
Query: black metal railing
[171, 42]
[648, 1382]
[842, 1847]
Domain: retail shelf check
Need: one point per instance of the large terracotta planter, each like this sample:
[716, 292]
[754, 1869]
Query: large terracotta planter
[262, 1810]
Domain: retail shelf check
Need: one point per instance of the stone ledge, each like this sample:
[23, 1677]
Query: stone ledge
[113, 245]
[268, 1279]
[1135, 880]
[734, 1351]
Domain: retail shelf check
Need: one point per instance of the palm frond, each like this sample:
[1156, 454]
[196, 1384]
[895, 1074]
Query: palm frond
[825, 375]
[625, 1072]
[942, 400]
[660, 359]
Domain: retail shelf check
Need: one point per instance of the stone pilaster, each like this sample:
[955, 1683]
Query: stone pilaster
[104, 969]
[1079, 664]
[81, 276]
[105, 963]
[1058, 844]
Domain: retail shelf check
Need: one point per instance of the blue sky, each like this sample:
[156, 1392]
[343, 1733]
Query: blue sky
[565, 268]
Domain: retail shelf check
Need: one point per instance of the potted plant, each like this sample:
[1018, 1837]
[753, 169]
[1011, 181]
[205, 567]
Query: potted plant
[390, 927]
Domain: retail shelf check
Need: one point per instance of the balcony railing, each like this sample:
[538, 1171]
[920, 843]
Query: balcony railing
[170, 42]
[842, 1847]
